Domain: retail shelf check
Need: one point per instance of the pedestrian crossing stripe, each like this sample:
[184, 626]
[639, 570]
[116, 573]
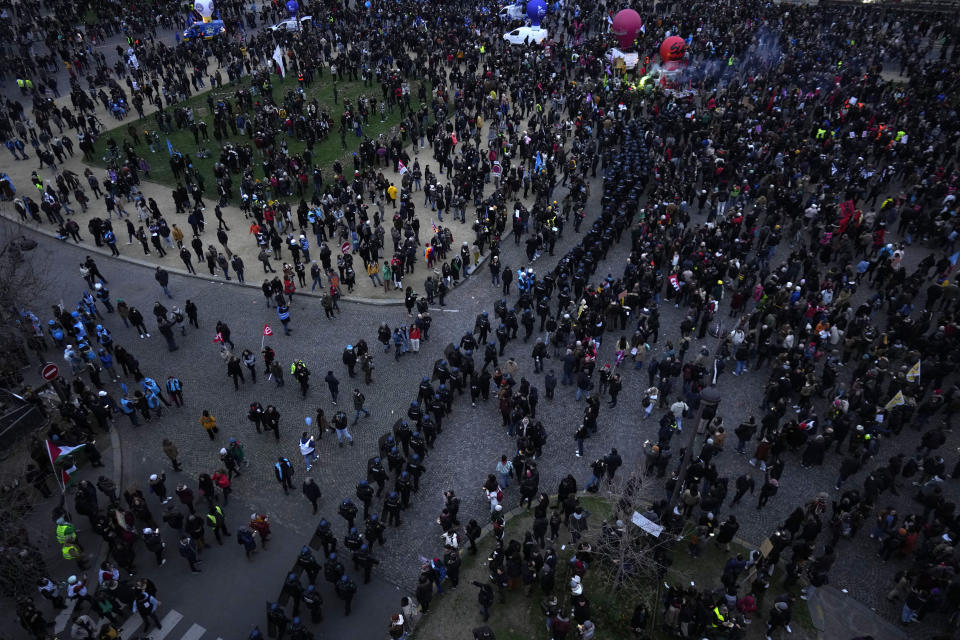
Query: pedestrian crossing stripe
[168, 624]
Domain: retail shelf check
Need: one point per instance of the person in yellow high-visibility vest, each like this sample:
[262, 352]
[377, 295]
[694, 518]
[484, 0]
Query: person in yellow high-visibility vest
[66, 532]
[71, 551]
[719, 615]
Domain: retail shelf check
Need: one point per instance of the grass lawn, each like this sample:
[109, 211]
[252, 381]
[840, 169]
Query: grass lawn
[325, 153]
[456, 611]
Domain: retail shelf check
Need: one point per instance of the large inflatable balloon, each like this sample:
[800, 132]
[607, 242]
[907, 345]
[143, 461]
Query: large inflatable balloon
[536, 10]
[292, 7]
[626, 25]
[672, 49]
[204, 8]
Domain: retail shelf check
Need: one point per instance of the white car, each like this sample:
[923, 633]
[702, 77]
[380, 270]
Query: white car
[513, 12]
[525, 35]
[630, 58]
[292, 24]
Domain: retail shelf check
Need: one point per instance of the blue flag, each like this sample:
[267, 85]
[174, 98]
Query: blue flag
[954, 257]
[169, 147]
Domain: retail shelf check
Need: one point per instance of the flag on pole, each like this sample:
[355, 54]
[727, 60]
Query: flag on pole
[402, 168]
[169, 147]
[895, 401]
[65, 475]
[278, 58]
[56, 451]
[538, 163]
[218, 338]
[914, 374]
[953, 259]
[267, 331]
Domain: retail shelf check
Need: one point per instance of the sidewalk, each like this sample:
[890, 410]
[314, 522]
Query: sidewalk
[42, 527]
[840, 616]
[239, 240]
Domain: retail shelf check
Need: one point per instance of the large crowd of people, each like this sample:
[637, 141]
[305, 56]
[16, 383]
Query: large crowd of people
[789, 190]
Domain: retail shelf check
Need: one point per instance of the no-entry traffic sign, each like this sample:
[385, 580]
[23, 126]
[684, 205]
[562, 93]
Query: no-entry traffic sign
[49, 371]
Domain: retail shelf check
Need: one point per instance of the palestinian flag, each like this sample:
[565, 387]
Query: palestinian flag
[55, 452]
[65, 475]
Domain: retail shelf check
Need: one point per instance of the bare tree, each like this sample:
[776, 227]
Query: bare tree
[24, 280]
[25, 528]
[632, 544]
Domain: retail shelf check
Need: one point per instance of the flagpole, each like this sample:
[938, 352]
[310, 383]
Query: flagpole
[53, 467]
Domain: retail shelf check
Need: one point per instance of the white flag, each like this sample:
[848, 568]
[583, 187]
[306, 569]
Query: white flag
[278, 58]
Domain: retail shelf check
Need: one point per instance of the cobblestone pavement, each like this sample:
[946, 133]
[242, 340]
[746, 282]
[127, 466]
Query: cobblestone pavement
[472, 440]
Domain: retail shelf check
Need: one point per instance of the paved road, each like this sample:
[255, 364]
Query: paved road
[471, 443]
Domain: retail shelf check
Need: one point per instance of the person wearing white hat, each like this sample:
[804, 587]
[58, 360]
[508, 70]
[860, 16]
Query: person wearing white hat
[77, 591]
[155, 544]
[158, 487]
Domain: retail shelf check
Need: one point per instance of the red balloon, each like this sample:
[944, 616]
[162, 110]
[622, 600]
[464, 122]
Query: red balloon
[672, 49]
[626, 25]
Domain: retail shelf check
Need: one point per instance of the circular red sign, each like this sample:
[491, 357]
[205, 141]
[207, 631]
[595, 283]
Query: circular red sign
[49, 371]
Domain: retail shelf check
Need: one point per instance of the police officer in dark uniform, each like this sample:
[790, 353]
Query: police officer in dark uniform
[392, 506]
[293, 589]
[353, 540]
[365, 496]
[416, 469]
[363, 560]
[425, 390]
[327, 539]
[373, 530]
[395, 461]
[404, 487]
[415, 413]
[418, 444]
[376, 473]
[309, 564]
[438, 409]
[297, 630]
[429, 430]
[276, 621]
[490, 355]
[314, 603]
[482, 327]
[346, 589]
[401, 432]
[348, 511]
[332, 569]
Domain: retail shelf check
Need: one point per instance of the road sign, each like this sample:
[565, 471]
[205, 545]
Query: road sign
[345, 247]
[49, 371]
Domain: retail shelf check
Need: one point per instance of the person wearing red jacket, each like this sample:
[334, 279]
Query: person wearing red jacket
[414, 335]
[261, 524]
